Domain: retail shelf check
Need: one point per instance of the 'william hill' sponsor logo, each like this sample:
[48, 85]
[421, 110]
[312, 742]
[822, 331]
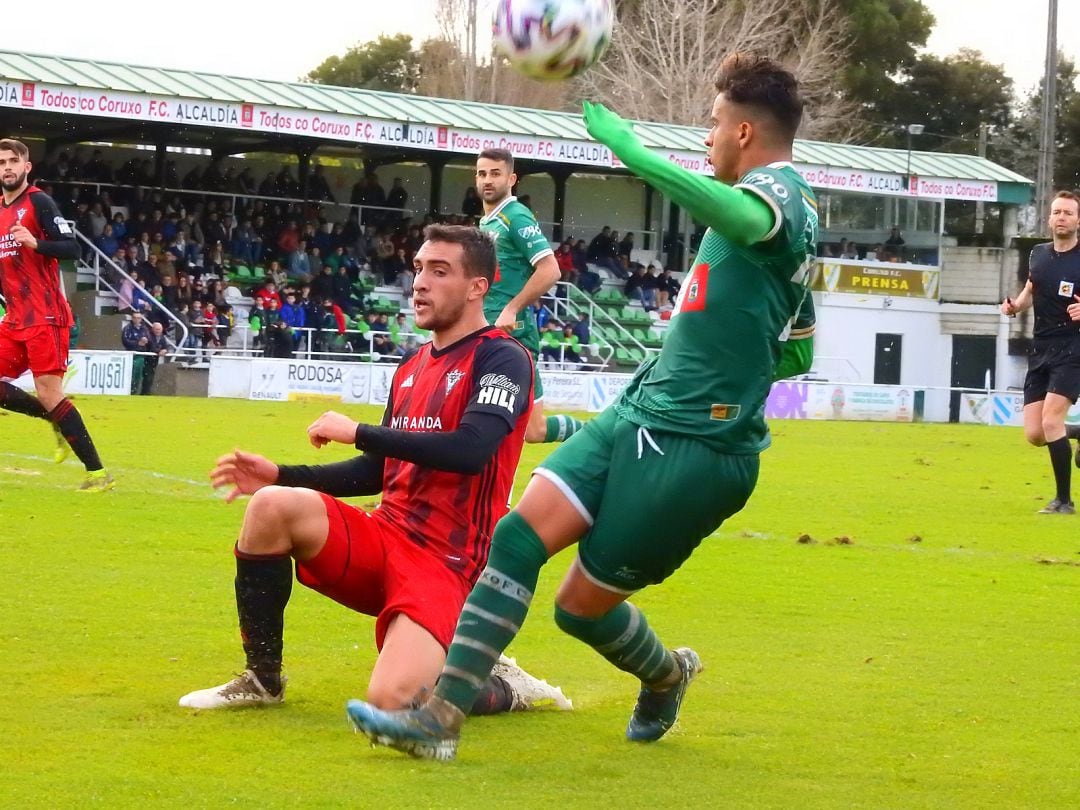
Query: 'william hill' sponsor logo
[498, 389]
[207, 113]
[416, 423]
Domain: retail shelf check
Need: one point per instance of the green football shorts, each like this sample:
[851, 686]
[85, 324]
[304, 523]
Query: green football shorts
[650, 497]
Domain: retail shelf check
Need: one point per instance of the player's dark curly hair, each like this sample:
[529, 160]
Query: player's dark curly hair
[477, 248]
[759, 82]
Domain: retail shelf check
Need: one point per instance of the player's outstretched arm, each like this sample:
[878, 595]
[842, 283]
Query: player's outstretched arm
[246, 473]
[740, 216]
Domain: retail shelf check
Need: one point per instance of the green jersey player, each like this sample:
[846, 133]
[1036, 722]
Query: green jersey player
[527, 270]
[645, 482]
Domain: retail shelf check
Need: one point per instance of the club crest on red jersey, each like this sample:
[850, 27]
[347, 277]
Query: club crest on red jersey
[452, 379]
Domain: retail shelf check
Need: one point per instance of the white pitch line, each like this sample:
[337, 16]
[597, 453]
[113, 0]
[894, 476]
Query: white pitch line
[154, 474]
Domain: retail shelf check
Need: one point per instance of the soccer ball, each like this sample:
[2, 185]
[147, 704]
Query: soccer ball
[552, 40]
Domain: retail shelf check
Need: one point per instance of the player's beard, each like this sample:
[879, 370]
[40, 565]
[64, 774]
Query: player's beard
[16, 185]
[441, 318]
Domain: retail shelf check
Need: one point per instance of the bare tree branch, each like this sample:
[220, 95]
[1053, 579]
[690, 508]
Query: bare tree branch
[665, 53]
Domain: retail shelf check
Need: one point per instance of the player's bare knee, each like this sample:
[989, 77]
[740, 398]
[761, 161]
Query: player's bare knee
[268, 519]
[1035, 435]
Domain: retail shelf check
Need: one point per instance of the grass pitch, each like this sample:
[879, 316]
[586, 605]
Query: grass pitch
[920, 648]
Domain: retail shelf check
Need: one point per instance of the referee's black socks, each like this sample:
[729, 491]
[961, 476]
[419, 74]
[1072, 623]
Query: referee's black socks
[1061, 460]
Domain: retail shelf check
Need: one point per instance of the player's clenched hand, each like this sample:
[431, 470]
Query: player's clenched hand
[1008, 307]
[507, 320]
[23, 236]
[332, 427]
[1074, 308]
[246, 473]
[605, 126]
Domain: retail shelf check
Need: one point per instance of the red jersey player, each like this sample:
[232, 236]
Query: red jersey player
[34, 332]
[444, 459]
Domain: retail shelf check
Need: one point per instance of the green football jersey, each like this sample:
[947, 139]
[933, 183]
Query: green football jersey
[735, 309]
[519, 245]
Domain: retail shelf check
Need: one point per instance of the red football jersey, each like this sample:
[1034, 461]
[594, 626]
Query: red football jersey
[454, 514]
[30, 281]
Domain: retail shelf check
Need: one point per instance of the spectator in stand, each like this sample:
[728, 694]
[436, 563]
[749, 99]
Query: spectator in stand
[626, 247]
[650, 288]
[582, 328]
[214, 260]
[550, 342]
[472, 206]
[293, 315]
[143, 247]
[332, 325]
[397, 198]
[288, 239]
[268, 292]
[394, 266]
[373, 198]
[136, 334]
[158, 349]
[318, 186]
[635, 284]
[119, 226]
[667, 289]
[184, 290]
[341, 286]
[278, 342]
[405, 281]
[276, 274]
[571, 345]
[564, 257]
[850, 251]
[894, 245]
[315, 264]
[246, 247]
[97, 219]
[107, 243]
[169, 297]
[602, 251]
[335, 260]
[322, 286]
[257, 323]
[299, 263]
[184, 316]
[880, 254]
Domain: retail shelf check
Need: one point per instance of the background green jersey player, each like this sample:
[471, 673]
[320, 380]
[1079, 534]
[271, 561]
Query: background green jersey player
[527, 270]
[646, 481]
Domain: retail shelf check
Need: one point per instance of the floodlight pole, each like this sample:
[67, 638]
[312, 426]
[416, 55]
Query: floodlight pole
[1044, 179]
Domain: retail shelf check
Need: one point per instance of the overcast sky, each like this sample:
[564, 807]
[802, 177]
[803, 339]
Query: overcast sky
[223, 36]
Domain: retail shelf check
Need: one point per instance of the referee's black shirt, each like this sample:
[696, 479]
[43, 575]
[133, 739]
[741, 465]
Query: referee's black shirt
[1055, 279]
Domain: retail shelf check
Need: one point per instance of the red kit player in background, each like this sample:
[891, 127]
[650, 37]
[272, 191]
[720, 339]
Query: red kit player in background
[35, 330]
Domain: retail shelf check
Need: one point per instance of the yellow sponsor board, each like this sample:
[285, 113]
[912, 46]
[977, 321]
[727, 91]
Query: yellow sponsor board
[877, 278]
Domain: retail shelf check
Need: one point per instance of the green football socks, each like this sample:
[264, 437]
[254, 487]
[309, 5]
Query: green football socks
[494, 612]
[625, 639]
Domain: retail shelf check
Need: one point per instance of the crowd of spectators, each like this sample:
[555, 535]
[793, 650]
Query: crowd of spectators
[306, 268]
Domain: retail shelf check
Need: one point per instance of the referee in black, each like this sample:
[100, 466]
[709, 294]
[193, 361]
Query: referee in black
[1052, 384]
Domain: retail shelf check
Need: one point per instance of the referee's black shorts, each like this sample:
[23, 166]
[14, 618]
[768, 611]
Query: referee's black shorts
[1053, 368]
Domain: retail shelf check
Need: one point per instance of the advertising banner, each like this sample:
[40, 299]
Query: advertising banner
[797, 400]
[165, 109]
[93, 373]
[877, 278]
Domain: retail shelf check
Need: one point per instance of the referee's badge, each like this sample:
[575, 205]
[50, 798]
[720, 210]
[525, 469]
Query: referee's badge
[1065, 288]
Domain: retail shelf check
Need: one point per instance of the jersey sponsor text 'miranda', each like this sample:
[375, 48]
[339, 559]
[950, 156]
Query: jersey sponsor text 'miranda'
[735, 310]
